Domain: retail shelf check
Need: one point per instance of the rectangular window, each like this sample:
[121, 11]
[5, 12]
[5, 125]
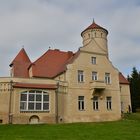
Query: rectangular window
[80, 76]
[95, 103]
[34, 101]
[23, 105]
[81, 103]
[94, 76]
[0, 87]
[45, 102]
[31, 106]
[23, 101]
[108, 103]
[1, 121]
[93, 60]
[107, 78]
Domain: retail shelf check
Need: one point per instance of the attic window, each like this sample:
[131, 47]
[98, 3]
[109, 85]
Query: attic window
[93, 60]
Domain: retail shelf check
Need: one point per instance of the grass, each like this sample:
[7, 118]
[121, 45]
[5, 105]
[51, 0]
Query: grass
[126, 129]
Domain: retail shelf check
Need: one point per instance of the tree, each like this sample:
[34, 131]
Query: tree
[134, 80]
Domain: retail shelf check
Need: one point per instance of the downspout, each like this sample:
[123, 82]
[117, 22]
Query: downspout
[56, 102]
[10, 103]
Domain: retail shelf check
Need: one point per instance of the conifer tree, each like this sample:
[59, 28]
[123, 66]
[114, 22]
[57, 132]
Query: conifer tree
[134, 80]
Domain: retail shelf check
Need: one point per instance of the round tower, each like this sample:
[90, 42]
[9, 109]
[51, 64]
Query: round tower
[96, 33]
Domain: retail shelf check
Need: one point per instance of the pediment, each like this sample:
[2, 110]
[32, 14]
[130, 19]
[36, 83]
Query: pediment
[94, 47]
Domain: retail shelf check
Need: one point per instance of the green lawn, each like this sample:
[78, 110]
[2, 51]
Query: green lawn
[126, 129]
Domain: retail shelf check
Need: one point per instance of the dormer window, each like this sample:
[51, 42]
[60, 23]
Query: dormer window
[93, 60]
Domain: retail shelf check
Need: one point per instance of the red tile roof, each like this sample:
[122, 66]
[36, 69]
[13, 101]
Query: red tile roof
[20, 64]
[122, 79]
[51, 64]
[37, 86]
[94, 26]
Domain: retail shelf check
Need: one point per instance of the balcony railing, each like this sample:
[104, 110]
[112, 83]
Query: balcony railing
[97, 85]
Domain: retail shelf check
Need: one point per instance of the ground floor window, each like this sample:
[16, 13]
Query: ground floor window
[34, 101]
[81, 103]
[95, 103]
[1, 121]
[122, 107]
[109, 103]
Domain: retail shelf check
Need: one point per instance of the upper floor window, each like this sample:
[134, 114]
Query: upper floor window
[95, 103]
[95, 34]
[93, 60]
[80, 76]
[34, 101]
[108, 103]
[101, 34]
[81, 102]
[107, 78]
[94, 76]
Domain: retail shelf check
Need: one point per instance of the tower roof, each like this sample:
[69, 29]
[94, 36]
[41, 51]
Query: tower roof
[22, 57]
[94, 26]
[20, 64]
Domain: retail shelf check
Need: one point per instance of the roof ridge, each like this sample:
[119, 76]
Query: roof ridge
[40, 57]
[51, 50]
[55, 62]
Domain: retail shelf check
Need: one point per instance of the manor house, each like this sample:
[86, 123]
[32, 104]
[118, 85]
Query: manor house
[65, 87]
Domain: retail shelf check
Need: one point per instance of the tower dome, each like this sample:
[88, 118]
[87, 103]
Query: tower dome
[96, 33]
[94, 26]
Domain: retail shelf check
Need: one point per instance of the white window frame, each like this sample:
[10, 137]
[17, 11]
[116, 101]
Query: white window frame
[109, 103]
[107, 78]
[93, 60]
[80, 76]
[94, 75]
[96, 103]
[24, 104]
[81, 104]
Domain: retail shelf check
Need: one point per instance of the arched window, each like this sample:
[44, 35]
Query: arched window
[34, 100]
[95, 34]
[101, 34]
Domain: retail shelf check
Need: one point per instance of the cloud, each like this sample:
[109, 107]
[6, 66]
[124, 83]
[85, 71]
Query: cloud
[38, 24]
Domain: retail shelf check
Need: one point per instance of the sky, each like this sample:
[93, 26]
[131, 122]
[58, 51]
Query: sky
[36, 25]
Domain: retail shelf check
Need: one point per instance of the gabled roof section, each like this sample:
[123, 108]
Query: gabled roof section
[20, 64]
[51, 64]
[122, 79]
[94, 26]
[21, 56]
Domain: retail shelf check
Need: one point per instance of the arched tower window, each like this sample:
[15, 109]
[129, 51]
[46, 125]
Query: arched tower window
[101, 34]
[95, 34]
